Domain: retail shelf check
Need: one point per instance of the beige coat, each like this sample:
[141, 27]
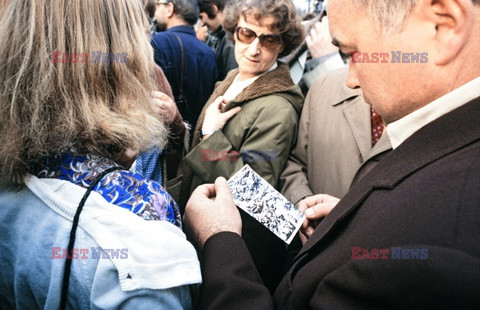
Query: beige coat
[334, 141]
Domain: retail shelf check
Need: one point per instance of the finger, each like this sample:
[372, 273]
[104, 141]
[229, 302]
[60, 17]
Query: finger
[310, 201]
[302, 206]
[230, 113]
[303, 238]
[309, 231]
[218, 102]
[159, 102]
[309, 41]
[320, 210]
[325, 26]
[316, 29]
[305, 224]
[160, 95]
[204, 191]
[221, 189]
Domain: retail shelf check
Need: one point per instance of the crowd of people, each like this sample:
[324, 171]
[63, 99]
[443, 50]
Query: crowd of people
[108, 108]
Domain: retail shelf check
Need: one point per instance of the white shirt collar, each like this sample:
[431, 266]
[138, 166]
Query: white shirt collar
[402, 129]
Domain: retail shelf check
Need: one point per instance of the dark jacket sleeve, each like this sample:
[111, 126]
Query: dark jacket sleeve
[230, 280]
[228, 61]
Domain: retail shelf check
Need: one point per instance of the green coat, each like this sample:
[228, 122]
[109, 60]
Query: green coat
[267, 124]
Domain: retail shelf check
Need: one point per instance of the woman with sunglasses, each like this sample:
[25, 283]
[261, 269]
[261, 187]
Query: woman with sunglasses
[252, 116]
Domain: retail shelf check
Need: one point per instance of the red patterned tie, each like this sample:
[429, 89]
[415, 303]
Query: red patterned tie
[377, 127]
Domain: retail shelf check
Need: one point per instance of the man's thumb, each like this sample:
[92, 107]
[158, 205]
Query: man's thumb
[221, 188]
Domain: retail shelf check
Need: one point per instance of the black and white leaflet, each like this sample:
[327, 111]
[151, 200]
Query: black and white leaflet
[264, 203]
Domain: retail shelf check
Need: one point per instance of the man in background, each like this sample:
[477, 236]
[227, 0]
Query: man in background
[211, 15]
[188, 63]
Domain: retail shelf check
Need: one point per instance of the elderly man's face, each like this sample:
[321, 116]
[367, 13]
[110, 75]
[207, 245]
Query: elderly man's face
[393, 89]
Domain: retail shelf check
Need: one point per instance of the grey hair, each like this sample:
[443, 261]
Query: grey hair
[389, 15]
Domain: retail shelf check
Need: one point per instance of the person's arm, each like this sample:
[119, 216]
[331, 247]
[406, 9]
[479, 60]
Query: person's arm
[268, 136]
[230, 280]
[107, 293]
[178, 131]
[293, 181]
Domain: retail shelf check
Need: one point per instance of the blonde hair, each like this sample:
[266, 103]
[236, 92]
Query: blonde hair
[94, 108]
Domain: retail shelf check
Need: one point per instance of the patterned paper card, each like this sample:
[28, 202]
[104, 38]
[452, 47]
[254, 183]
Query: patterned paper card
[264, 203]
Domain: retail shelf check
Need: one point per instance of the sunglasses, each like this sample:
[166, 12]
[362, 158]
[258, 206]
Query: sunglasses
[269, 41]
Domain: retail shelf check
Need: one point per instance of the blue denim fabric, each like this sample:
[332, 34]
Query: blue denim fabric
[31, 279]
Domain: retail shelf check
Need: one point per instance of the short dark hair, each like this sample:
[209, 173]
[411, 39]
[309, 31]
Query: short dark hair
[284, 12]
[206, 6]
[149, 6]
[187, 9]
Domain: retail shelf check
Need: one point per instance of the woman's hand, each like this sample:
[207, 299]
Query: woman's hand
[166, 106]
[215, 119]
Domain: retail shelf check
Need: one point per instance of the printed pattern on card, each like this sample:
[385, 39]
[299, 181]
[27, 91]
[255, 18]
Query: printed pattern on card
[264, 203]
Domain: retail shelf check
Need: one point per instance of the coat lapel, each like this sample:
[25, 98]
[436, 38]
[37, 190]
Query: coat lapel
[357, 114]
[382, 145]
[437, 139]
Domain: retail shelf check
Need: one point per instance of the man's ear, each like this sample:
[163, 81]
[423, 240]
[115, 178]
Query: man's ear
[215, 9]
[452, 21]
[170, 10]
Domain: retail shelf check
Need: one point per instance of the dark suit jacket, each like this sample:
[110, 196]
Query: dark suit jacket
[424, 195]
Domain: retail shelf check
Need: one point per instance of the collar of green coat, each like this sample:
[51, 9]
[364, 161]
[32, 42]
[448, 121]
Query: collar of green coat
[277, 81]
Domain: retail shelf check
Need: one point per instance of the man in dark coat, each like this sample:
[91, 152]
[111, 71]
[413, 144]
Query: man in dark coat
[188, 63]
[407, 234]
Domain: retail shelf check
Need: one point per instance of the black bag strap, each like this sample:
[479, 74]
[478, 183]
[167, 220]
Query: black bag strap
[73, 233]
[182, 63]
